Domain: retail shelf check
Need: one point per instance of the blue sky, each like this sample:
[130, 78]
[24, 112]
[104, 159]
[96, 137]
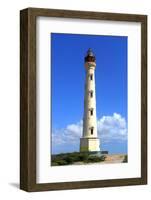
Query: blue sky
[68, 77]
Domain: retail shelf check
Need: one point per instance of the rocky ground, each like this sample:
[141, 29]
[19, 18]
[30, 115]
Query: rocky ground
[110, 158]
[80, 158]
[115, 158]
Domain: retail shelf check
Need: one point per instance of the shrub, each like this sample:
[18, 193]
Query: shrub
[70, 158]
[59, 162]
[93, 159]
[125, 160]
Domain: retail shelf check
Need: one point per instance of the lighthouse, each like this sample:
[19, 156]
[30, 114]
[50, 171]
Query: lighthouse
[90, 141]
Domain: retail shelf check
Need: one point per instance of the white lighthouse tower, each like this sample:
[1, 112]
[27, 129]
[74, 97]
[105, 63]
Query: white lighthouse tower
[90, 141]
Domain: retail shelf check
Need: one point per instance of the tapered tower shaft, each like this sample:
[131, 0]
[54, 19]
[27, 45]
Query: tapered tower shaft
[89, 140]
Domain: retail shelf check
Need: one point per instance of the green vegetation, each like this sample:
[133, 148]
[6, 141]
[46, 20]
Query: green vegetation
[71, 158]
[125, 160]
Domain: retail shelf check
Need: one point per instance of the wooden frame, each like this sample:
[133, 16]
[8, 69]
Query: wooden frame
[28, 98]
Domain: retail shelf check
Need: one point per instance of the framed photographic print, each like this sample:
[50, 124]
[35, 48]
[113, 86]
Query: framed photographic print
[83, 99]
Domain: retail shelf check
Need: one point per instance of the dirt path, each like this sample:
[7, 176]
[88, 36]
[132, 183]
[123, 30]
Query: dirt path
[117, 158]
[112, 158]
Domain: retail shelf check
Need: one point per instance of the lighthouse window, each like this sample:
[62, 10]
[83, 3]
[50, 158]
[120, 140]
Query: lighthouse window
[91, 77]
[91, 93]
[91, 130]
[91, 111]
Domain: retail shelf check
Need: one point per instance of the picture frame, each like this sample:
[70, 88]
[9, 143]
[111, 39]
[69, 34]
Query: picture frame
[28, 98]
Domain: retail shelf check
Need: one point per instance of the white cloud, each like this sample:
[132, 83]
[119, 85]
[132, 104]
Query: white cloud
[76, 129]
[110, 128]
[70, 134]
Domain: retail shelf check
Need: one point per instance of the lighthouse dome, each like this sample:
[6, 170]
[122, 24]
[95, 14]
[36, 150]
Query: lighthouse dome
[90, 52]
[90, 57]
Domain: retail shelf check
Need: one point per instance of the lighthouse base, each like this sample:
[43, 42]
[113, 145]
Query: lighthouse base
[89, 144]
